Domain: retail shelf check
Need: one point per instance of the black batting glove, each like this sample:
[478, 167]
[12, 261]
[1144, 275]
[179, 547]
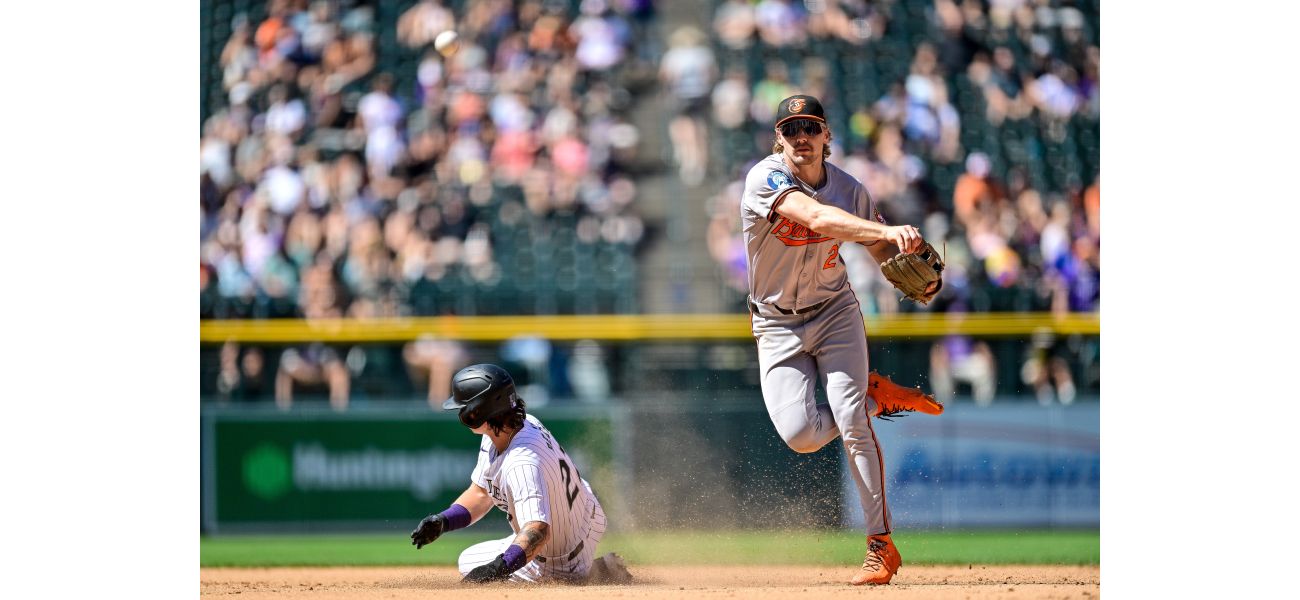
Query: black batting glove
[428, 530]
[493, 571]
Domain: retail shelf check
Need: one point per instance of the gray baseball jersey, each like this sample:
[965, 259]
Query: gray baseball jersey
[535, 480]
[791, 265]
[795, 269]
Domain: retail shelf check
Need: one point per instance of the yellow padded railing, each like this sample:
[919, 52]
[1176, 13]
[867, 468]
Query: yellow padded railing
[625, 327]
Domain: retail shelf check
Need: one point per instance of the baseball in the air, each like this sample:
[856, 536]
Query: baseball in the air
[447, 43]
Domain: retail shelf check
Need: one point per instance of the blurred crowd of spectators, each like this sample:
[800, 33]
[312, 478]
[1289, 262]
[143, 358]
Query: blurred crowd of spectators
[326, 193]
[332, 185]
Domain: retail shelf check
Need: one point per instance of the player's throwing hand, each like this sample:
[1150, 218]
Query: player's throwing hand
[428, 530]
[906, 237]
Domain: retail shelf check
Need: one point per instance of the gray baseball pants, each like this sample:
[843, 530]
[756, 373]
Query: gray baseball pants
[830, 346]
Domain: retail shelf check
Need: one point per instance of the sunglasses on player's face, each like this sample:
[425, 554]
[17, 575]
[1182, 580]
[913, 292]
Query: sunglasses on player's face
[792, 128]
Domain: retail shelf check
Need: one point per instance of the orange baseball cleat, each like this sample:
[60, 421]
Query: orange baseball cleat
[881, 563]
[892, 398]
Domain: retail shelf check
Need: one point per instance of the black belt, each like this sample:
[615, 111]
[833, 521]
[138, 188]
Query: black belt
[575, 552]
[571, 555]
[802, 311]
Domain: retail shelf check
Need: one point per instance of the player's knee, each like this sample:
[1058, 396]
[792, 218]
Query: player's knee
[803, 441]
[804, 448]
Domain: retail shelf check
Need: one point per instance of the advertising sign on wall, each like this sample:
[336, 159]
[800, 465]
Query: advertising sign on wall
[362, 469]
[1003, 465]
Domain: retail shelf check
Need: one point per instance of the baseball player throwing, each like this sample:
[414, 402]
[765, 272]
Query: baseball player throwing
[523, 471]
[796, 211]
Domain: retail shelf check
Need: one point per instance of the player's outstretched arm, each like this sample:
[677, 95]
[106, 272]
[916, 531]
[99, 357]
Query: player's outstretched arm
[834, 222]
[525, 548]
[472, 504]
[476, 500]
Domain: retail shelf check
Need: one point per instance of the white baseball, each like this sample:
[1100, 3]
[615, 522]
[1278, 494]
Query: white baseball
[447, 43]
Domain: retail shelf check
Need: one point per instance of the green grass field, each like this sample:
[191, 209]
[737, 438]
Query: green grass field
[732, 547]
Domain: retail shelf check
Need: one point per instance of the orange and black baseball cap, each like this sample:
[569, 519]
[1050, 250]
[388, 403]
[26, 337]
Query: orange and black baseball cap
[800, 107]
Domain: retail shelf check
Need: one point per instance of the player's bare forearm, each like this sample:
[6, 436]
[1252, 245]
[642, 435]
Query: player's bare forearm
[829, 220]
[476, 500]
[881, 252]
[836, 223]
[531, 537]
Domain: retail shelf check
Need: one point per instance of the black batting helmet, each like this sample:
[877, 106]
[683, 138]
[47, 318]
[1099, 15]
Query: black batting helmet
[481, 392]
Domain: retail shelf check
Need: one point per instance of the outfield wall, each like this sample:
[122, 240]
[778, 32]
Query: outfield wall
[656, 462]
[377, 469]
[1012, 465]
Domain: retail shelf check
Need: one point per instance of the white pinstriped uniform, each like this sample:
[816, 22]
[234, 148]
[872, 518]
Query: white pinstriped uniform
[534, 480]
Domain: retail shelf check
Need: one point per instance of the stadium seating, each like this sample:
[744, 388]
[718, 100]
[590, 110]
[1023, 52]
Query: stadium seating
[542, 268]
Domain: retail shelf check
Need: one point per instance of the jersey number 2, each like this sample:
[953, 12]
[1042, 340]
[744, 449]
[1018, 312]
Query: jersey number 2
[830, 260]
[567, 475]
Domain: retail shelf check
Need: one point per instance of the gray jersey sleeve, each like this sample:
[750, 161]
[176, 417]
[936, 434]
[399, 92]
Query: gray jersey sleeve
[765, 187]
[867, 208]
[862, 204]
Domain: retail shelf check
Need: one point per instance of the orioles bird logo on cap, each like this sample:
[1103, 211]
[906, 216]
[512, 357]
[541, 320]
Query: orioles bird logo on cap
[796, 105]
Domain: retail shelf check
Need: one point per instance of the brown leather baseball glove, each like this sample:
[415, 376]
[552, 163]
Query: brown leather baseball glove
[913, 273]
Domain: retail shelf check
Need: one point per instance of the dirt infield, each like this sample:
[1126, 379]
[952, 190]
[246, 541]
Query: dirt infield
[660, 582]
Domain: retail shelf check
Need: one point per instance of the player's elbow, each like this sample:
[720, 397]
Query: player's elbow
[827, 222]
[820, 220]
[539, 531]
